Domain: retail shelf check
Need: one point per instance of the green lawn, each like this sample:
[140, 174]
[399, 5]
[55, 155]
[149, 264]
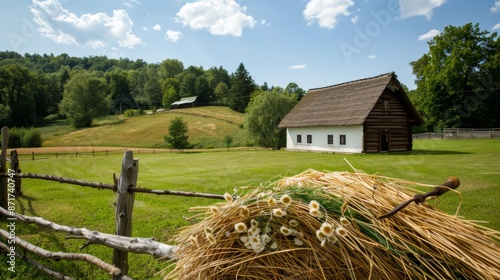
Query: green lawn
[475, 162]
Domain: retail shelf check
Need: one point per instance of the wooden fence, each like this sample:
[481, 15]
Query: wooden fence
[121, 242]
[460, 133]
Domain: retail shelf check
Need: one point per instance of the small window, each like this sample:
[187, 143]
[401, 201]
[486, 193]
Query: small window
[330, 139]
[342, 139]
[309, 139]
[387, 107]
[299, 138]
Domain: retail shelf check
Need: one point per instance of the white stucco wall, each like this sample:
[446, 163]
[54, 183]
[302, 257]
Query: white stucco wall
[354, 139]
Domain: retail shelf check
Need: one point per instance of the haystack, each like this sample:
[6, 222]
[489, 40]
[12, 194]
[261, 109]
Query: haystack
[324, 225]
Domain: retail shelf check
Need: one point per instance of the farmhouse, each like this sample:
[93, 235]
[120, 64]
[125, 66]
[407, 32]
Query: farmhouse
[364, 116]
[185, 102]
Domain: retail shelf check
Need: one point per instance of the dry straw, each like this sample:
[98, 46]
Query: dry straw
[323, 225]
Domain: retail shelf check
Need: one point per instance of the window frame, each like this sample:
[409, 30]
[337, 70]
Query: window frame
[299, 138]
[309, 138]
[342, 139]
[329, 139]
[387, 106]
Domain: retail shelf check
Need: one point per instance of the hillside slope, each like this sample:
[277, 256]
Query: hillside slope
[207, 126]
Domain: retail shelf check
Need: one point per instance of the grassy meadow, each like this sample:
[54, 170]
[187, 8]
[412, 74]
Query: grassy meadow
[475, 162]
[207, 128]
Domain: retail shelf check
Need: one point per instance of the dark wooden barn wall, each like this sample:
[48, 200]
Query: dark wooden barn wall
[394, 122]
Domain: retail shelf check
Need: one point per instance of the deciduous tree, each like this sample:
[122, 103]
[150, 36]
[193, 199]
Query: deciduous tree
[264, 114]
[458, 81]
[177, 137]
[17, 87]
[84, 99]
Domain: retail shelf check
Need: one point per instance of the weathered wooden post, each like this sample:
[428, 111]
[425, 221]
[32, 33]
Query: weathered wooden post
[14, 165]
[124, 206]
[3, 167]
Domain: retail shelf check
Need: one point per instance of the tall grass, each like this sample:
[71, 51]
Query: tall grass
[475, 162]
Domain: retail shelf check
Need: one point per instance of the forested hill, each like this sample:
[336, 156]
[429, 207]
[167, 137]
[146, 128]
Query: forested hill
[35, 87]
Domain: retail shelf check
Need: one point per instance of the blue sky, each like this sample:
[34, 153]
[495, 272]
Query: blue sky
[313, 43]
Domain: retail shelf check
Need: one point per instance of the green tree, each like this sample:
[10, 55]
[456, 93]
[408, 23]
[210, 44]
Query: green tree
[169, 68]
[264, 114]
[152, 90]
[203, 90]
[119, 91]
[137, 80]
[4, 115]
[84, 99]
[17, 87]
[222, 93]
[177, 137]
[457, 80]
[228, 139]
[294, 89]
[188, 85]
[169, 97]
[242, 86]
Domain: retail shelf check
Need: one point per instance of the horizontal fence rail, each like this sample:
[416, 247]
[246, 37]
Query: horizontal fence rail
[460, 133]
[112, 187]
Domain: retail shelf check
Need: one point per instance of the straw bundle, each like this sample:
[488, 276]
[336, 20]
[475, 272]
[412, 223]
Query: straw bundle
[323, 225]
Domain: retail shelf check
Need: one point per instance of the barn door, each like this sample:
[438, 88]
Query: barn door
[384, 142]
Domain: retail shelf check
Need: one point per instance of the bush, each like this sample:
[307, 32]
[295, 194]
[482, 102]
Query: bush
[130, 113]
[32, 138]
[16, 137]
[24, 138]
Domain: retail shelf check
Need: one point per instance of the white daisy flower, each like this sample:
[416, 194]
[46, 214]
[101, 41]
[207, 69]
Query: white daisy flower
[286, 200]
[240, 227]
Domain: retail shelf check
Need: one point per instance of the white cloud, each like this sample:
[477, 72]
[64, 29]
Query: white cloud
[497, 26]
[411, 8]
[157, 27]
[326, 12]
[355, 19]
[297, 66]
[127, 4]
[173, 36]
[371, 56]
[145, 28]
[496, 7]
[220, 17]
[93, 30]
[428, 35]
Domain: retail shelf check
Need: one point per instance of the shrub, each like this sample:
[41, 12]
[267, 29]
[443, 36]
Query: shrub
[32, 138]
[130, 113]
[16, 137]
[24, 138]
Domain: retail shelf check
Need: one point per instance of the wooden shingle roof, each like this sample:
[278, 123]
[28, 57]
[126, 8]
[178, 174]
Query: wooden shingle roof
[342, 104]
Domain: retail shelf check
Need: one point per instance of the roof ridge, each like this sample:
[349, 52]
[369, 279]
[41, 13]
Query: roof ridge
[355, 81]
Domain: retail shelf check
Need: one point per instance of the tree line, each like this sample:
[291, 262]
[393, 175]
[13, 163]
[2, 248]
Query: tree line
[34, 87]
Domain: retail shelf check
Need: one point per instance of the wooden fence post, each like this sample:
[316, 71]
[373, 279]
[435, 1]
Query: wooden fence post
[14, 165]
[124, 207]
[3, 167]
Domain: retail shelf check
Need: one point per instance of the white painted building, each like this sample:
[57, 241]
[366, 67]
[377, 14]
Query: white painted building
[340, 139]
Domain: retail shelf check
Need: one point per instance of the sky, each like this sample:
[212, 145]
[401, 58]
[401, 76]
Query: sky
[313, 43]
